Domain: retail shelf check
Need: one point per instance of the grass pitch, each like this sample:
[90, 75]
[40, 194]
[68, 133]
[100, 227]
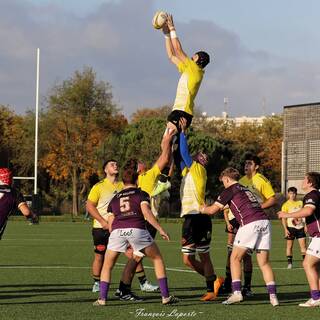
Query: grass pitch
[45, 274]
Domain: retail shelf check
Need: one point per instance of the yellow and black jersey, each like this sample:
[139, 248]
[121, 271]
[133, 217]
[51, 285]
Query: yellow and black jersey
[192, 190]
[101, 194]
[292, 206]
[259, 185]
[188, 85]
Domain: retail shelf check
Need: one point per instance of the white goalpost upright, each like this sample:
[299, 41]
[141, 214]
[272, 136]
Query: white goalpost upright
[36, 126]
[35, 177]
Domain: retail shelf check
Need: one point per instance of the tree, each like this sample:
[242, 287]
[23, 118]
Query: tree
[11, 134]
[80, 114]
[145, 113]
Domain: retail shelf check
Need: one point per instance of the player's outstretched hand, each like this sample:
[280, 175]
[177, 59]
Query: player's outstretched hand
[170, 22]
[281, 214]
[164, 235]
[183, 124]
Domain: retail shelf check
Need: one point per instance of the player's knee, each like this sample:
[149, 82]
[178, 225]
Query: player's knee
[188, 259]
[305, 264]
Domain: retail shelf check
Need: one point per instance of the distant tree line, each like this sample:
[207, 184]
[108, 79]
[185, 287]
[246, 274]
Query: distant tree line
[80, 126]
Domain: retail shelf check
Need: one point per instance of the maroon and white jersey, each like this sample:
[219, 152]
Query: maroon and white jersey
[10, 199]
[243, 204]
[126, 208]
[313, 222]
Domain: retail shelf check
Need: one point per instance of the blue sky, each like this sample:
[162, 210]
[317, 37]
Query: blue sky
[263, 50]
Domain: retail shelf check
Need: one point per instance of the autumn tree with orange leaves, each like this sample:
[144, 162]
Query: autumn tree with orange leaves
[80, 115]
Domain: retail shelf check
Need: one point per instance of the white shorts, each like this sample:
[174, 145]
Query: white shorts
[254, 235]
[314, 247]
[138, 239]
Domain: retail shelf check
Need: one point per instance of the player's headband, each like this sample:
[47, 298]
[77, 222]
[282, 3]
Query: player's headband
[5, 176]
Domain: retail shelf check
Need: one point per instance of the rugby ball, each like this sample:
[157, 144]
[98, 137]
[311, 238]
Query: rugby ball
[159, 19]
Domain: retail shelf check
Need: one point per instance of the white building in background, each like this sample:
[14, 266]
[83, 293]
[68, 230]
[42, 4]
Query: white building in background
[237, 120]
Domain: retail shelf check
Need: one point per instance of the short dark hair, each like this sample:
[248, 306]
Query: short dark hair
[203, 59]
[293, 189]
[106, 162]
[251, 157]
[131, 163]
[130, 175]
[314, 179]
[231, 173]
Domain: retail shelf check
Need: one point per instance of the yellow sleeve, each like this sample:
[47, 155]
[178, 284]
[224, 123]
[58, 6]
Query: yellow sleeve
[94, 194]
[148, 180]
[267, 190]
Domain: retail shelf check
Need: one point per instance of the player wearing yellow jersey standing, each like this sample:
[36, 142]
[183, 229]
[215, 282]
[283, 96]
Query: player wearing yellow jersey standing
[197, 228]
[97, 205]
[262, 189]
[293, 228]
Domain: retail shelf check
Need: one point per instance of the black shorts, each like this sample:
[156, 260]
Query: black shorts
[235, 224]
[176, 115]
[100, 240]
[196, 229]
[296, 233]
[152, 230]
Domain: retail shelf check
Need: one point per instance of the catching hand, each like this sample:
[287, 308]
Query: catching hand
[170, 22]
[164, 235]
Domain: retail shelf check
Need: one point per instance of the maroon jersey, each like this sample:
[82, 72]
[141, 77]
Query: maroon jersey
[10, 199]
[313, 221]
[243, 204]
[126, 207]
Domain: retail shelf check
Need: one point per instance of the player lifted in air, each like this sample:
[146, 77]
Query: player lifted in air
[254, 232]
[192, 72]
[310, 211]
[293, 228]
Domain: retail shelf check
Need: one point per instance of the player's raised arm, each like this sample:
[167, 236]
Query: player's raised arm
[176, 44]
[169, 47]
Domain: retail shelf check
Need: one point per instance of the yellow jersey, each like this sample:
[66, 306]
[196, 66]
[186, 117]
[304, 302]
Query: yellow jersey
[188, 85]
[259, 185]
[148, 179]
[292, 206]
[192, 189]
[101, 194]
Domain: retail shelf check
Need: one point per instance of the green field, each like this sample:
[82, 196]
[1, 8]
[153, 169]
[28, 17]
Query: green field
[45, 274]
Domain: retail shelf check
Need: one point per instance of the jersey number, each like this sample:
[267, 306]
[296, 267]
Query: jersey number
[124, 204]
[251, 196]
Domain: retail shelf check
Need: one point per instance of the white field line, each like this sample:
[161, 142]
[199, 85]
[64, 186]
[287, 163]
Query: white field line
[118, 265]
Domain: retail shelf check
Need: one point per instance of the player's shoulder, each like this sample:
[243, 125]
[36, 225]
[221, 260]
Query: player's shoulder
[99, 183]
[258, 177]
[244, 180]
[314, 194]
